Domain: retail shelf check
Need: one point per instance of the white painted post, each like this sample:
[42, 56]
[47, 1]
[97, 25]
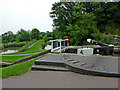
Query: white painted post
[64, 45]
[57, 43]
[67, 44]
[60, 46]
[52, 44]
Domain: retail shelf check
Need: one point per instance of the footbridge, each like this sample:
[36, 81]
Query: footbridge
[59, 45]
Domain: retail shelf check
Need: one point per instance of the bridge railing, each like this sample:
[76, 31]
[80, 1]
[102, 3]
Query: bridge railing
[60, 45]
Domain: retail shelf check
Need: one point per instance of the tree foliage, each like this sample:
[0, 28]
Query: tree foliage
[35, 34]
[82, 20]
[24, 35]
[8, 37]
[69, 20]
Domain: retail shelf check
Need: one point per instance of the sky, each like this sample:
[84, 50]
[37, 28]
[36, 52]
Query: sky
[25, 14]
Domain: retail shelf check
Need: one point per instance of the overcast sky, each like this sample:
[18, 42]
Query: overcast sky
[25, 14]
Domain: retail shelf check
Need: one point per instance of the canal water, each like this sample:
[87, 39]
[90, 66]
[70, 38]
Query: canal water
[10, 50]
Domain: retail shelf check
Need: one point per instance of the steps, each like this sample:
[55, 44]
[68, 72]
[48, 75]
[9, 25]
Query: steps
[52, 68]
[49, 65]
[66, 63]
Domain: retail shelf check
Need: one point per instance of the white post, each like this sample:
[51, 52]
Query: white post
[64, 45]
[52, 44]
[60, 46]
[57, 43]
[67, 44]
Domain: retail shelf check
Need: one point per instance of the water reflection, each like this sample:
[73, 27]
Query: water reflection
[9, 51]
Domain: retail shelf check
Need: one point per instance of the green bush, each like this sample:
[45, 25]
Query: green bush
[98, 36]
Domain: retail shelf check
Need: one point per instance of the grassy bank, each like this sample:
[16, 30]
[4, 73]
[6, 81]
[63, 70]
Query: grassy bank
[34, 49]
[11, 59]
[27, 45]
[20, 46]
[17, 69]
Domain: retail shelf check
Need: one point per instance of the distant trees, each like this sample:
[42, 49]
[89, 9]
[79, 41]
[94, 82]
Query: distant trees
[8, 37]
[24, 35]
[35, 34]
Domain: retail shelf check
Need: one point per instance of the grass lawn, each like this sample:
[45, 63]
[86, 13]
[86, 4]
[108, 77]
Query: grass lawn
[13, 58]
[16, 69]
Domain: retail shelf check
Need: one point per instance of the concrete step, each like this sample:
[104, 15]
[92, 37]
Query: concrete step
[51, 68]
[50, 63]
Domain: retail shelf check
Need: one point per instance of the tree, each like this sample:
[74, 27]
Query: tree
[83, 27]
[8, 37]
[62, 17]
[23, 35]
[81, 20]
[35, 34]
[106, 13]
[69, 20]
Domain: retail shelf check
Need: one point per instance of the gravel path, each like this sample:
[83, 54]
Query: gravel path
[54, 79]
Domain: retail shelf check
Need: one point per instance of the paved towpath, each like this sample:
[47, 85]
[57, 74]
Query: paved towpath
[55, 79]
[18, 54]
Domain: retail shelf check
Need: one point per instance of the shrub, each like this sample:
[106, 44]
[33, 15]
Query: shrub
[98, 36]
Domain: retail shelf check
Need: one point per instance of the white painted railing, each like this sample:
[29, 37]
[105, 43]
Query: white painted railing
[60, 48]
[52, 50]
